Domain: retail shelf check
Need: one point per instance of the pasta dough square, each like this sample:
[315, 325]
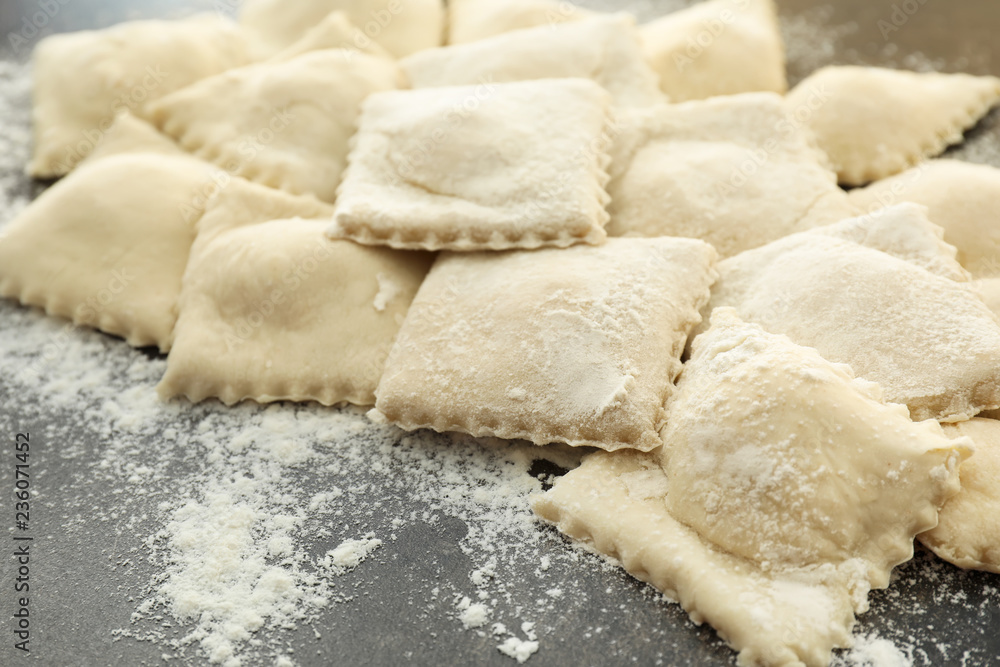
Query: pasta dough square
[784, 491]
[401, 27]
[968, 530]
[579, 346]
[719, 47]
[272, 310]
[733, 171]
[83, 80]
[282, 124]
[605, 49]
[494, 167]
[473, 20]
[874, 123]
[103, 252]
[928, 340]
[961, 197]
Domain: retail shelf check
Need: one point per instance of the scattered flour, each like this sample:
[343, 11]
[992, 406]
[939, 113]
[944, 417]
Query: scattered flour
[388, 290]
[472, 615]
[351, 553]
[518, 649]
[873, 651]
[15, 137]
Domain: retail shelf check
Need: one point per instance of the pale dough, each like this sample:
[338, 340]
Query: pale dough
[719, 47]
[133, 135]
[929, 341]
[787, 489]
[874, 123]
[963, 198]
[732, 171]
[968, 533]
[272, 310]
[989, 290]
[903, 231]
[522, 167]
[579, 346]
[83, 80]
[334, 32]
[106, 247]
[401, 27]
[605, 49]
[472, 20]
[282, 124]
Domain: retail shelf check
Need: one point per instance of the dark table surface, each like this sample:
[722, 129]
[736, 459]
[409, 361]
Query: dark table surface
[93, 561]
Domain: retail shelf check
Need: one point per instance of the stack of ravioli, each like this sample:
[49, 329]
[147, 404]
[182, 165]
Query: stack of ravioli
[519, 219]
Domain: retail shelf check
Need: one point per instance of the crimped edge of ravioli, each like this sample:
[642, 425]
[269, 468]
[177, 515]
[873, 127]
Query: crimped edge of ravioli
[190, 382]
[271, 174]
[466, 240]
[950, 133]
[664, 570]
[648, 441]
[411, 420]
[54, 305]
[27, 293]
[196, 388]
[265, 168]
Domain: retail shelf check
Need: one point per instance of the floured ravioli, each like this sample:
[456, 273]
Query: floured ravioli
[961, 197]
[784, 491]
[282, 124]
[84, 80]
[523, 167]
[928, 340]
[968, 533]
[732, 171]
[272, 310]
[874, 123]
[106, 247]
[579, 346]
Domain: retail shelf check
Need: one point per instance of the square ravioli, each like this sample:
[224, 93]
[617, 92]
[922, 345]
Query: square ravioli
[733, 171]
[606, 49]
[488, 167]
[898, 316]
[106, 246]
[785, 490]
[284, 124]
[83, 80]
[579, 346]
[272, 310]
